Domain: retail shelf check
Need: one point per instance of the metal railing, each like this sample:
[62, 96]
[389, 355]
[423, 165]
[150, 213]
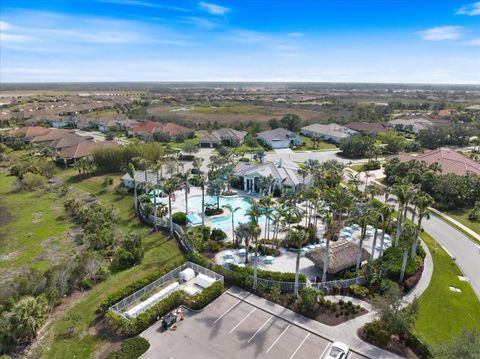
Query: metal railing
[342, 283]
[160, 282]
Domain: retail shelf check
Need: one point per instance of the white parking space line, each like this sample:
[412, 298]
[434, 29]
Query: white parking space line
[226, 312]
[324, 352]
[263, 325]
[240, 322]
[278, 338]
[349, 355]
[298, 348]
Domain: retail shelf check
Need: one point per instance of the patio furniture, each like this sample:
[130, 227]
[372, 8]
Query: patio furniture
[228, 254]
[348, 229]
[242, 252]
[355, 227]
[311, 246]
[370, 227]
[229, 262]
[241, 265]
[268, 260]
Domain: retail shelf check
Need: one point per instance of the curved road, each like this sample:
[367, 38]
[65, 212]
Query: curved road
[466, 252]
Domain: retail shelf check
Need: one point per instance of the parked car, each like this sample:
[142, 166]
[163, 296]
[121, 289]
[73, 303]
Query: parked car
[338, 351]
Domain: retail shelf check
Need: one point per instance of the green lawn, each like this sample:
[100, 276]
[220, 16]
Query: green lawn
[159, 251]
[443, 313]
[461, 215]
[32, 230]
[357, 167]
[308, 145]
[82, 316]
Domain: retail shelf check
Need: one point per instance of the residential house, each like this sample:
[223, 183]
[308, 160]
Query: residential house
[149, 131]
[285, 174]
[367, 128]
[117, 125]
[63, 122]
[225, 136]
[449, 160]
[474, 108]
[331, 132]
[411, 125]
[279, 138]
[31, 131]
[141, 178]
[83, 149]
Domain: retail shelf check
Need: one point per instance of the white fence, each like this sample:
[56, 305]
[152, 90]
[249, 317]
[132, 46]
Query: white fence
[172, 275]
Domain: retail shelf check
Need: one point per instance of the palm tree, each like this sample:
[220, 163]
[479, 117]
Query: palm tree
[297, 236]
[404, 194]
[385, 212]
[367, 176]
[243, 233]
[131, 172]
[185, 181]
[201, 180]
[27, 316]
[409, 232]
[361, 214]
[267, 204]
[153, 187]
[254, 213]
[215, 188]
[331, 233]
[232, 212]
[423, 204]
[170, 186]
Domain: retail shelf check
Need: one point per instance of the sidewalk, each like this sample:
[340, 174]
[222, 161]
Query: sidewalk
[346, 334]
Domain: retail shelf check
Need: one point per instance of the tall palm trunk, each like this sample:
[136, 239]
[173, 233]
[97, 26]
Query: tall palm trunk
[255, 264]
[360, 247]
[404, 264]
[374, 243]
[170, 219]
[326, 258]
[233, 229]
[399, 225]
[155, 211]
[297, 269]
[186, 200]
[382, 241]
[135, 197]
[203, 205]
[415, 241]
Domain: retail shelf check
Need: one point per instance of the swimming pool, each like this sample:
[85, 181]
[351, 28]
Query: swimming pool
[225, 222]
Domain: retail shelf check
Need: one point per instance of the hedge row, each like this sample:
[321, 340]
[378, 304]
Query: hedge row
[237, 273]
[117, 296]
[134, 326]
[132, 348]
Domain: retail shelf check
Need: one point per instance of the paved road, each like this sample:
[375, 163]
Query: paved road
[466, 252]
[303, 156]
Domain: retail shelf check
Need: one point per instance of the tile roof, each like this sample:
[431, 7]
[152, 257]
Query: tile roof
[285, 173]
[85, 148]
[278, 134]
[331, 129]
[367, 127]
[33, 131]
[224, 134]
[451, 161]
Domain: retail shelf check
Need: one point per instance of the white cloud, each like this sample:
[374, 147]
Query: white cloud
[4, 26]
[144, 4]
[470, 9]
[295, 34]
[472, 42]
[201, 22]
[441, 33]
[4, 38]
[213, 8]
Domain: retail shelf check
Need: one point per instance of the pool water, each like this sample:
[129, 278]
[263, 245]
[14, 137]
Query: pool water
[224, 222]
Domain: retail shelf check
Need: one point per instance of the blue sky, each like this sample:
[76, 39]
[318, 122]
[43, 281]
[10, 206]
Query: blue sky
[422, 41]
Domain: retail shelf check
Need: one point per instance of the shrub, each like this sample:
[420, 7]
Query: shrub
[310, 298]
[200, 300]
[179, 218]
[371, 165]
[411, 281]
[218, 235]
[268, 251]
[136, 285]
[244, 159]
[33, 181]
[131, 348]
[359, 291]
[376, 333]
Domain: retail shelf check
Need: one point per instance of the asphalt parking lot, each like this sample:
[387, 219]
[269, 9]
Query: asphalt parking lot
[231, 328]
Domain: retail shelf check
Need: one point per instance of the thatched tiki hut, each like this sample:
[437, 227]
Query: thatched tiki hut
[342, 256]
